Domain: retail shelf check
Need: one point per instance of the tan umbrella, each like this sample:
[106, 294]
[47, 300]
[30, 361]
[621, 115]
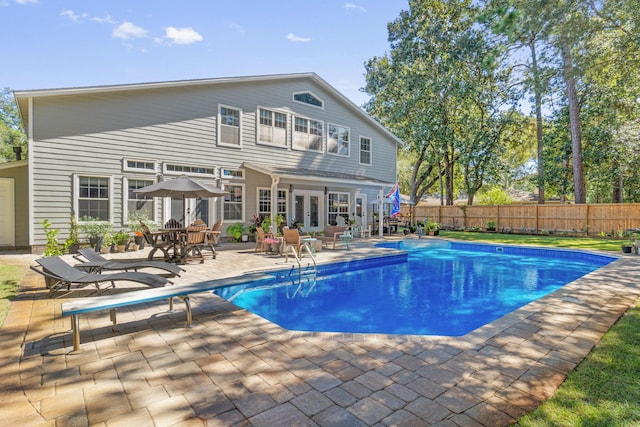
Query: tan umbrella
[181, 187]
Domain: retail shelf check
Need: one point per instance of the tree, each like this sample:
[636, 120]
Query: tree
[11, 134]
[440, 90]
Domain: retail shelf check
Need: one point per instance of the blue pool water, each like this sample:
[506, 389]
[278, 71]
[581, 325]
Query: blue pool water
[434, 288]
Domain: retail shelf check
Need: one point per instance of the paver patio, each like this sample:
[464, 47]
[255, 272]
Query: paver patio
[235, 368]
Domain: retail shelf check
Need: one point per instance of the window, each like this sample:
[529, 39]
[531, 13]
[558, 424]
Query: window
[93, 197]
[365, 150]
[232, 173]
[338, 205]
[272, 127]
[338, 140]
[178, 169]
[233, 203]
[229, 129]
[264, 202]
[307, 134]
[138, 202]
[143, 166]
[308, 98]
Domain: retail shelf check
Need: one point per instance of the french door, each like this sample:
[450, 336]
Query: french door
[308, 208]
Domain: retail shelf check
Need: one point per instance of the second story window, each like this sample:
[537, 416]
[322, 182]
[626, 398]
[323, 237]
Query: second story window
[272, 127]
[307, 134]
[338, 140]
[365, 150]
[229, 128]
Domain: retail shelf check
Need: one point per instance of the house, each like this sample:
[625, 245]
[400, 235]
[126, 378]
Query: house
[278, 144]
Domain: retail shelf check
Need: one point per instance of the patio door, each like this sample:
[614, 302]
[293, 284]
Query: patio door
[308, 207]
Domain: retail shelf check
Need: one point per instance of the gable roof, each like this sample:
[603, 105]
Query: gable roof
[22, 96]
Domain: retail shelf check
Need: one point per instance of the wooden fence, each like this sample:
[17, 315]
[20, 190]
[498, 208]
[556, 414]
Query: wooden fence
[573, 219]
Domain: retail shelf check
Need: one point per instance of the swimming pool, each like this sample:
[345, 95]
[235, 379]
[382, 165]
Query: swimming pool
[432, 287]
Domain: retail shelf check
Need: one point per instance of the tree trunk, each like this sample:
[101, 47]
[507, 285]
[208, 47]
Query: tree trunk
[574, 120]
[537, 90]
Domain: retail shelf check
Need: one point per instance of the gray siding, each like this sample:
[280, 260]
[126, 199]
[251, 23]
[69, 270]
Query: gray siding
[91, 134]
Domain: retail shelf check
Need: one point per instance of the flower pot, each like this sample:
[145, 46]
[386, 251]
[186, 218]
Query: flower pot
[245, 237]
[121, 248]
[105, 249]
[139, 241]
[627, 249]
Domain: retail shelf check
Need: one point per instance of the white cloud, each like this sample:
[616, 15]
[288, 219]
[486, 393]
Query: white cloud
[295, 38]
[127, 30]
[182, 35]
[26, 1]
[104, 20]
[72, 15]
[351, 6]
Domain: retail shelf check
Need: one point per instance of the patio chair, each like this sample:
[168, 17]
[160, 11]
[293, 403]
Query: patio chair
[97, 263]
[63, 274]
[193, 241]
[260, 236]
[160, 241]
[214, 234]
[292, 238]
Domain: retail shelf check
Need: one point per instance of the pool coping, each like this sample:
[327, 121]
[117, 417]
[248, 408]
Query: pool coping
[256, 372]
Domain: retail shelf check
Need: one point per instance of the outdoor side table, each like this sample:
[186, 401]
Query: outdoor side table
[311, 243]
[346, 238]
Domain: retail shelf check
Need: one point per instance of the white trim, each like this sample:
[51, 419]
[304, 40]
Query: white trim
[30, 173]
[211, 175]
[127, 168]
[223, 174]
[76, 194]
[286, 128]
[9, 214]
[220, 124]
[302, 92]
[244, 202]
[125, 197]
[308, 133]
[338, 142]
[370, 150]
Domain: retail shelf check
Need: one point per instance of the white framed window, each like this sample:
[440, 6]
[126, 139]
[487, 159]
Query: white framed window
[307, 134]
[92, 197]
[338, 206]
[139, 166]
[365, 150]
[264, 202]
[233, 207]
[231, 173]
[229, 125]
[338, 140]
[308, 98]
[135, 202]
[191, 170]
[272, 127]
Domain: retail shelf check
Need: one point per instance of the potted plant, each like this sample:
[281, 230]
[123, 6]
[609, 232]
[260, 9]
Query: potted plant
[121, 238]
[73, 243]
[432, 227]
[491, 226]
[94, 229]
[236, 230]
[135, 221]
[272, 245]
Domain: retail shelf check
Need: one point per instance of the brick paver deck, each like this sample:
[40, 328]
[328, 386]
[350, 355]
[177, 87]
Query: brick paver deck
[235, 368]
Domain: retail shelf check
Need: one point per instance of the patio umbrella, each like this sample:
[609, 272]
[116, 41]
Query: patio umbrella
[181, 187]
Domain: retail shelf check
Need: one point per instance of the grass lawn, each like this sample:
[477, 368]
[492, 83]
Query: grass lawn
[10, 276]
[604, 389]
[590, 243]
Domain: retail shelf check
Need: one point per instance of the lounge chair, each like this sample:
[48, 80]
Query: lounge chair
[97, 263]
[56, 268]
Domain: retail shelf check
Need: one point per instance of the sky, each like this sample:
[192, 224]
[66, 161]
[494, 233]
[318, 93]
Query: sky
[49, 44]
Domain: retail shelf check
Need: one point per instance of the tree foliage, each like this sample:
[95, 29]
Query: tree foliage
[11, 134]
[456, 68]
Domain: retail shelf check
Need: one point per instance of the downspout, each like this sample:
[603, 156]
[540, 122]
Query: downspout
[274, 202]
[380, 213]
[30, 143]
